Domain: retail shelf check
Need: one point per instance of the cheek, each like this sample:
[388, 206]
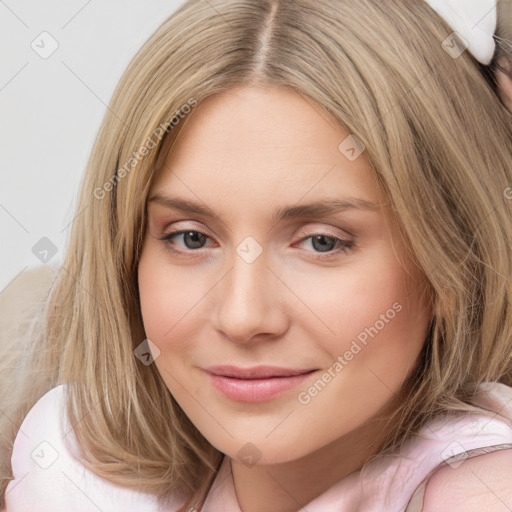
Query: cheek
[380, 327]
[172, 302]
[345, 302]
[169, 303]
[163, 296]
[374, 317]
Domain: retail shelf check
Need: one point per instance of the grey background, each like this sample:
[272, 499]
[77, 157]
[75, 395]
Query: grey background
[51, 110]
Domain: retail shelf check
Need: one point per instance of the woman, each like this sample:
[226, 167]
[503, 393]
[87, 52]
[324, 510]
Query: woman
[402, 339]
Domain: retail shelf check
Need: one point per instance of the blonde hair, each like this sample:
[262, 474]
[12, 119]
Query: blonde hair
[437, 138]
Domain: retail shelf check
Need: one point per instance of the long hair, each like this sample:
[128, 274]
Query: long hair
[437, 138]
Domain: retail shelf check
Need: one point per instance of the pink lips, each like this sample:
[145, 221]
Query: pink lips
[255, 384]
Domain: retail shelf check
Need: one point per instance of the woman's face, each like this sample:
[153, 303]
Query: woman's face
[265, 280]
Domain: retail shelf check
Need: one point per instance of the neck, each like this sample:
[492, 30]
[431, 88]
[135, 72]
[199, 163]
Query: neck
[289, 486]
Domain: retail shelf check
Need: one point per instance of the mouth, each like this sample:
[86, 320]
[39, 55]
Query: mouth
[256, 384]
[257, 372]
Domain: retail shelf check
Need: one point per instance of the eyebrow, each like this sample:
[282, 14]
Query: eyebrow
[316, 209]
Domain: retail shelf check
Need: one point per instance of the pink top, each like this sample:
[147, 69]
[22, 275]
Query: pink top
[48, 478]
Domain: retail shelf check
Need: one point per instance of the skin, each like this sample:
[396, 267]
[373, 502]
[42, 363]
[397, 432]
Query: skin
[504, 81]
[244, 153]
[479, 483]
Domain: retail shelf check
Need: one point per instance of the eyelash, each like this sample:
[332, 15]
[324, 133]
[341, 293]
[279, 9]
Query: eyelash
[343, 246]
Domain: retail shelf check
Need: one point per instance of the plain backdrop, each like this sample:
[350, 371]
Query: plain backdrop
[60, 62]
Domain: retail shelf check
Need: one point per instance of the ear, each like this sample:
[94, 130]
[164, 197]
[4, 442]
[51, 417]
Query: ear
[504, 81]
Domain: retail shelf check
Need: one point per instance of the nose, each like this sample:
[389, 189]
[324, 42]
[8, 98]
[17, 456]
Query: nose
[250, 301]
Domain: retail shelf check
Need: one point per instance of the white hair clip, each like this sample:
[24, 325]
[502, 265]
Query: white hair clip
[474, 21]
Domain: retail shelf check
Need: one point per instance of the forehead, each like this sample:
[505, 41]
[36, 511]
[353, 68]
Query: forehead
[263, 145]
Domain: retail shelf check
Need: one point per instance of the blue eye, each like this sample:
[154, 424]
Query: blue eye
[327, 243]
[192, 239]
[326, 246]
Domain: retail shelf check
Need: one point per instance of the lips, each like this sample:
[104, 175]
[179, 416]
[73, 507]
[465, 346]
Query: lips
[257, 384]
[256, 372]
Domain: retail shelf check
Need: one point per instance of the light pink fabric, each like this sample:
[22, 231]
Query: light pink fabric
[49, 479]
[384, 486]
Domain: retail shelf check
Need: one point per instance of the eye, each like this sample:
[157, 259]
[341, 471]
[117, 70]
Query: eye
[192, 239]
[327, 246]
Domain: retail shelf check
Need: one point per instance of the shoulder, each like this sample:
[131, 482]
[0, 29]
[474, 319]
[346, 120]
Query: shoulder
[41, 422]
[48, 476]
[482, 482]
